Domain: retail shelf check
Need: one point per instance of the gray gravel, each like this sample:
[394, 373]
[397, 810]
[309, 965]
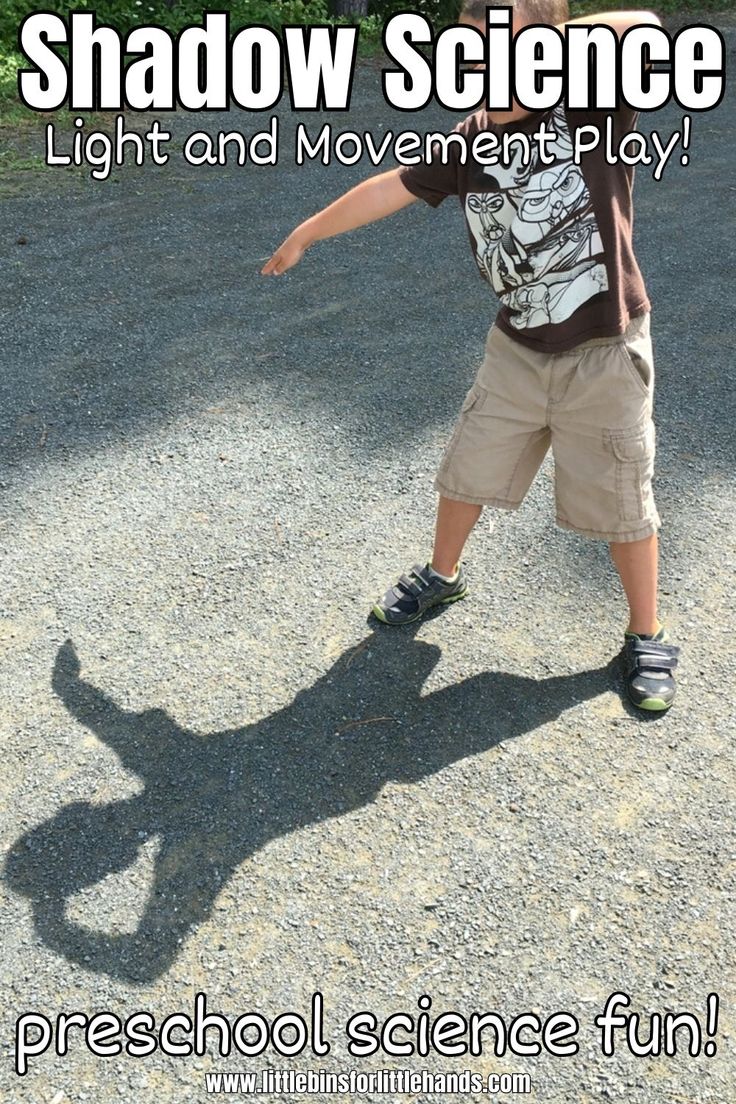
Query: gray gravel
[207, 476]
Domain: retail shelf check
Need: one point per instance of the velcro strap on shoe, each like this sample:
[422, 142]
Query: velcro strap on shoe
[653, 655]
[421, 571]
[409, 586]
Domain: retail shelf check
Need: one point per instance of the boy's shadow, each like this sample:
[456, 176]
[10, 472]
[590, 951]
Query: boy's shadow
[214, 800]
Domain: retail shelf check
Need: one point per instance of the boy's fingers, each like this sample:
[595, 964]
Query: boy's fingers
[279, 263]
[276, 267]
[270, 265]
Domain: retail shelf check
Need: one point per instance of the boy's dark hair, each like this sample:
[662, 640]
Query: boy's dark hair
[530, 11]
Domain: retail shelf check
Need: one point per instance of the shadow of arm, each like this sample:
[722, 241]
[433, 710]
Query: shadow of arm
[93, 709]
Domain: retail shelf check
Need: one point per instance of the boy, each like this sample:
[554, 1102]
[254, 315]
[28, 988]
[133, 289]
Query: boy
[568, 361]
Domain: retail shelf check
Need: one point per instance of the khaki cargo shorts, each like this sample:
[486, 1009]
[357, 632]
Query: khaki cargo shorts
[593, 405]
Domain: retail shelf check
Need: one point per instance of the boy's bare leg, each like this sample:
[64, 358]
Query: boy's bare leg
[636, 563]
[455, 521]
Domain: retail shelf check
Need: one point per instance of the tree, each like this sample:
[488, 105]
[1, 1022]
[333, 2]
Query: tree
[350, 7]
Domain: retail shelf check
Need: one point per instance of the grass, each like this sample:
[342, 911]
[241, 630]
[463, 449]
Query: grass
[12, 161]
[9, 63]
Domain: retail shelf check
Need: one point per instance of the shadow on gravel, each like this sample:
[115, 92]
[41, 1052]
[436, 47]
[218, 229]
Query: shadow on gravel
[141, 300]
[214, 800]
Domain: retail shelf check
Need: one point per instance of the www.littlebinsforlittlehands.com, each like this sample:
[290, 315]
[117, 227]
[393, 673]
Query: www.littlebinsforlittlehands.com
[383, 1082]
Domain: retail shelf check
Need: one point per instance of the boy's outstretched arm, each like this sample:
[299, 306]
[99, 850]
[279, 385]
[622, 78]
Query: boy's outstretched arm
[373, 199]
[617, 21]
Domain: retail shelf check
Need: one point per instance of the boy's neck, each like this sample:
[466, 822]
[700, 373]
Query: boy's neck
[501, 118]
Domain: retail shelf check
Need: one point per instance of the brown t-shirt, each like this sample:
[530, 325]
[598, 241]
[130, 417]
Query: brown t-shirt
[554, 241]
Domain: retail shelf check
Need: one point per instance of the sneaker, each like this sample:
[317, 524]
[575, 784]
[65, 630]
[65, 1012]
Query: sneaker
[416, 593]
[649, 665]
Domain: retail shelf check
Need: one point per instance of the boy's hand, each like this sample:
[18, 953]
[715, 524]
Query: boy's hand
[289, 253]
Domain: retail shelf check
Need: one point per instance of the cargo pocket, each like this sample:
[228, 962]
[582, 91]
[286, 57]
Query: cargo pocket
[633, 450]
[472, 398]
[470, 402]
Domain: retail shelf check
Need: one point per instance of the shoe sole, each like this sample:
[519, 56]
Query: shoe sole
[652, 705]
[378, 612]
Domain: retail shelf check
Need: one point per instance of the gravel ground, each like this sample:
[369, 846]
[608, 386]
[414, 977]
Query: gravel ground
[246, 790]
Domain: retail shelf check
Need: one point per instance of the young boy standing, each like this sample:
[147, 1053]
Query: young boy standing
[568, 361]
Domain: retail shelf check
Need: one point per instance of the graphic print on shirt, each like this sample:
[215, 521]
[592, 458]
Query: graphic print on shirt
[536, 237]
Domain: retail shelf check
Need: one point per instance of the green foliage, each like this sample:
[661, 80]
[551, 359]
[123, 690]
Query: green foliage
[172, 14]
[8, 74]
[124, 15]
[176, 14]
[439, 12]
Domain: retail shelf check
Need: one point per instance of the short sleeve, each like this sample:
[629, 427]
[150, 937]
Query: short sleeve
[625, 119]
[434, 180]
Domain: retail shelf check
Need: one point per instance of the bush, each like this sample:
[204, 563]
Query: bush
[172, 14]
[439, 12]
